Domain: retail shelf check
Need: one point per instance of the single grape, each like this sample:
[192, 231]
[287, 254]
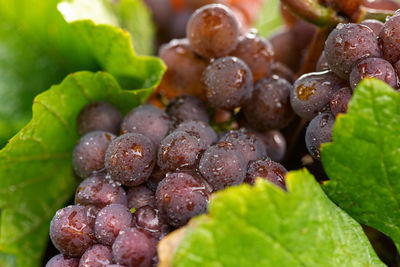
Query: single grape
[155, 178]
[91, 213]
[184, 69]
[134, 248]
[188, 107]
[213, 31]
[195, 4]
[375, 25]
[179, 197]
[140, 196]
[312, 92]
[267, 169]
[397, 68]
[222, 116]
[61, 260]
[275, 144]
[340, 101]
[391, 5]
[202, 131]
[347, 44]
[149, 219]
[88, 155]
[223, 165]
[247, 142]
[373, 68]
[99, 116]
[282, 71]
[269, 107]
[96, 256]
[179, 150]
[319, 131]
[100, 191]
[322, 64]
[110, 220]
[390, 39]
[130, 159]
[71, 231]
[257, 53]
[228, 83]
[149, 121]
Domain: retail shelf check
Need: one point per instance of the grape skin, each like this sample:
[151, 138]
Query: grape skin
[322, 64]
[267, 169]
[88, 155]
[269, 107]
[179, 197]
[61, 260]
[187, 107]
[130, 159]
[282, 71]
[96, 256]
[340, 101]
[347, 44]
[149, 219]
[99, 116]
[390, 39]
[319, 131]
[202, 131]
[109, 221]
[275, 144]
[228, 83]
[140, 196]
[71, 231]
[375, 25]
[213, 31]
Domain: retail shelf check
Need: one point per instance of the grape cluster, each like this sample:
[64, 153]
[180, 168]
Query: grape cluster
[152, 178]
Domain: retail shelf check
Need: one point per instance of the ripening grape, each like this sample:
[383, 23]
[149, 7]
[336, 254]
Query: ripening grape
[319, 131]
[312, 92]
[228, 83]
[99, 191]
[99, 116]
[257, 53]
[88, 155]
[110, 220]
[390, 39]
[340, 101]
[392, 5]
[71, 231]
[179, 197]
[269, 107]
[282, 71]
[130, 159]
[96, 256]
[223, 165]
[149, 219]
[267, 169]
[140, 196]
[375, 25]
[213, 31]
[202, 131]
[188, 107]
[373, 68]
[275, 144]
[61, 260]
[347, 44]
[149, 121]
[322, 64]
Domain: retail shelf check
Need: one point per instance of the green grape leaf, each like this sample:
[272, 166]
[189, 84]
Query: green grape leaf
[363, 161]
[269, 19]
[38, 48]
[266, 226]
[36, 165]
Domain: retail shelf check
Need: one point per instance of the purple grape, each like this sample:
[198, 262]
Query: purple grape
[322, 64]
[269, 107]
[247, 142]
[228, 83]
[313, 91]
[275, 144]
[267, 169]
[390, 37]
[140, 196]
[187, 107]
[202, 131]
[282, 71]
[149, 121]
[96, 256]
[340, 101]
[179, 197]
[156, 177]
[130, 159]
[134, 248]
[149, 219]
[99, 116]
[179, 150]
[347, 44]
[373, 68]
[88, 155]
[397, 68]
[257, 53]
[213, 31]
[110, 220]
[99, 191]
[223, 165]
[61, 260]
[319, 131]
[375, 25]
[71, 231]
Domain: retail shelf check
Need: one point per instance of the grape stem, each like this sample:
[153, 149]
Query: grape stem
[313, 12]
[369, 13]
